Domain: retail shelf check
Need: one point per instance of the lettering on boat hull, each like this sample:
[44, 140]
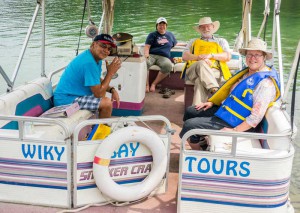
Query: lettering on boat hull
[218, 166]
[42, 152]
[130, 163]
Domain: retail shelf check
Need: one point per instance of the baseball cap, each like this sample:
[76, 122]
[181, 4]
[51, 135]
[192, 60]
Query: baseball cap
[106, 39]
[161, 19]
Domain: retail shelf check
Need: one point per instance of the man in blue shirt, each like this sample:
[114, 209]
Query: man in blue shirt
[157, 51]
[80, 82]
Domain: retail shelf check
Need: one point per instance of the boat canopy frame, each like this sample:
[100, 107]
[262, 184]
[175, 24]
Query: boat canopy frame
[245, 34]
[40, 4]
[107, 20]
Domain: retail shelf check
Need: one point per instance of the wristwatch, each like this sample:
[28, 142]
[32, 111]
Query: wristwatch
[111, 89]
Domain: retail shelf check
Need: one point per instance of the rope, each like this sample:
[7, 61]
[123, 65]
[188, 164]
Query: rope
[265, 30]
[83, 208]
[265, 20]
[84, 7]
[294, 95]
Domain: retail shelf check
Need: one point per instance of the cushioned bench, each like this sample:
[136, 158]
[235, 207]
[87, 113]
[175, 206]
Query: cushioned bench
[32, 100]
[275, 122]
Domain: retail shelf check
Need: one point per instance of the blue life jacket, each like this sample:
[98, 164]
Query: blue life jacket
[238, 104]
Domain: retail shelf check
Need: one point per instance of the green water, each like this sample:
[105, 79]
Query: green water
[137, 17]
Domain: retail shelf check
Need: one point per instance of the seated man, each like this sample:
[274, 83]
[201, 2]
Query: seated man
[157, 51]
[80, 82]
[241, 103]
[206, 57]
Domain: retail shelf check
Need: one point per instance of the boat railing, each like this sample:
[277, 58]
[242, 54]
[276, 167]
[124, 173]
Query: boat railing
[54, 73]
[25, 123]
[143, 119]
[234, 136]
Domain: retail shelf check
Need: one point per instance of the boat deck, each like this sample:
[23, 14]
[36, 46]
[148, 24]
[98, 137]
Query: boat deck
[173, 109]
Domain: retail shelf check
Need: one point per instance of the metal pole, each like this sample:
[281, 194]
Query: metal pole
[43, 39]
[277, 22]
[101, 23]
[6, 78]
[292, 73]
[25, 45]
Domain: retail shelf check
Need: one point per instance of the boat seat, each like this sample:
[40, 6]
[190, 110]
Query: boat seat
[32, 100]
[223, 144]
[55, 132]
[275, 122]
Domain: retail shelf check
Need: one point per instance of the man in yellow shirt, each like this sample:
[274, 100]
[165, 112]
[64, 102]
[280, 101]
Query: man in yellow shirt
[206, 60]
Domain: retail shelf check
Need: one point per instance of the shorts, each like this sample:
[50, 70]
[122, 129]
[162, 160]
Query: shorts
[90, 103]
[164, 63]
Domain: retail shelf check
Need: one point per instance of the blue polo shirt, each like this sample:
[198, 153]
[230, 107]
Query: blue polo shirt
[82, 73]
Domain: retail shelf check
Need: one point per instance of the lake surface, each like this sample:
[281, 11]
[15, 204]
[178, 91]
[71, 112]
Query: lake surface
[137, 17]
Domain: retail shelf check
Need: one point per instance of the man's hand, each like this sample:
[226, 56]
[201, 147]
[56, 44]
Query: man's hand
[114, 66]
[115, 97]
[206, 58]
[204, 106]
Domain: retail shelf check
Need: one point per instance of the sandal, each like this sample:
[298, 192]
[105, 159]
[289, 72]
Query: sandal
[165, 90]
[167, 94]
[162, 90]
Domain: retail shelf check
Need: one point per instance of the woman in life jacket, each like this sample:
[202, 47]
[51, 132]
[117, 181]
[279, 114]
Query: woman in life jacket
[241, 103]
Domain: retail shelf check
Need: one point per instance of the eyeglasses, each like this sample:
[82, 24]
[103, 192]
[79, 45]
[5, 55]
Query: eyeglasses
[256, 56]
[104, 46]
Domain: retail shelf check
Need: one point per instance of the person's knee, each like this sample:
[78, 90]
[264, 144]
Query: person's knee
[187, 125]
[166, 68]
[105, 103]
[165, 65]
[201, 64]
[189, 112]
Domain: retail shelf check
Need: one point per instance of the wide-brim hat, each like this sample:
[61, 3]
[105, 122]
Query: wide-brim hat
[257, 44]
[207, 20]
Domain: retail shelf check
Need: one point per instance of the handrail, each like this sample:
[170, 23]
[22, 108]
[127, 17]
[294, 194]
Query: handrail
[35, 120]
[233, 134]
[121, 119]
[55, 72]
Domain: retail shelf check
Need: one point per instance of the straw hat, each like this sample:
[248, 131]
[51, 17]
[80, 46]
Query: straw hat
[207, 20]
[257, 44]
